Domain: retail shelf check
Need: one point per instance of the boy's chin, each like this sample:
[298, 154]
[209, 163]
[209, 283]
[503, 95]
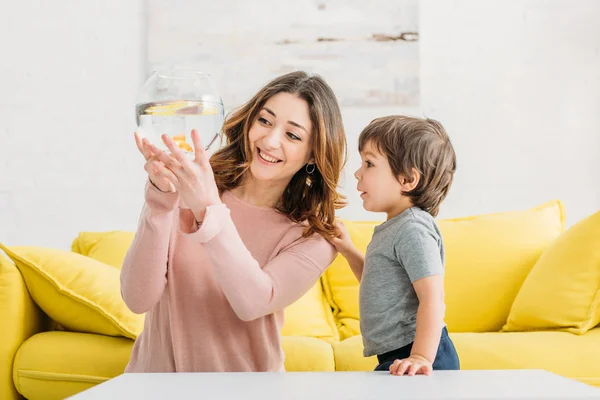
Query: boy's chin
[369, 207]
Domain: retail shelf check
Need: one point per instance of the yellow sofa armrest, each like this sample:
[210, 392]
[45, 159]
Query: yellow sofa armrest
[21, 318]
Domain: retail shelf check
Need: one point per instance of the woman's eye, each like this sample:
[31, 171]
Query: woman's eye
[263, 121]
[293, 136]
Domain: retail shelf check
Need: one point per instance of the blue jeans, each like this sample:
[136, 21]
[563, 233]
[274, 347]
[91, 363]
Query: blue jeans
[446, 357]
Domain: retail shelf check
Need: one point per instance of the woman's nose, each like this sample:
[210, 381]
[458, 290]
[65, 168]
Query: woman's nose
[273, 139]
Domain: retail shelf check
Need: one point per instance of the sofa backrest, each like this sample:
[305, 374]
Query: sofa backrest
[487, 259]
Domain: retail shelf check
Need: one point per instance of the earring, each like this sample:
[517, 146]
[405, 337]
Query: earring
[310, 171]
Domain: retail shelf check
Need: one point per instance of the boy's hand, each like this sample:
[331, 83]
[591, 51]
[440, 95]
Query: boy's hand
[413, 365]
[343, 242]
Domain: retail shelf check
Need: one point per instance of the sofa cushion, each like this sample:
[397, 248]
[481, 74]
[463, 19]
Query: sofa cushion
[563, 353]
[310, 315]
[20, 318]
[107, 247]
[563, 289]
[77, 292]
[487, 259]
[348, 355]
[56, 365]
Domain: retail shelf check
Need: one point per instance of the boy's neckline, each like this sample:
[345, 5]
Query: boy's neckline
[391, 221]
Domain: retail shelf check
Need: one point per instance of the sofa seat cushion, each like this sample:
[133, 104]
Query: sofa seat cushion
[58, 364]
[349, 356]
[563, 353]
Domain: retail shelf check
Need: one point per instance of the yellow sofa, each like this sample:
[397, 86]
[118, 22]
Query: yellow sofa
[521, 293]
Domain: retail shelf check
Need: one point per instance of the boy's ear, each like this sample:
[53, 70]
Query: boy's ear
[409, 182]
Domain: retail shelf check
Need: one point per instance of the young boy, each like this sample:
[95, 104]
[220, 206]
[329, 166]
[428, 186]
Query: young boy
[406, 171]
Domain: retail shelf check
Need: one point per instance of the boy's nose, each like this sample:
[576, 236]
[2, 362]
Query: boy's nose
[356, 175]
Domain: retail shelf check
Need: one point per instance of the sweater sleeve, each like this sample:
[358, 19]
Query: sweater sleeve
[144, 270]
[252, 291]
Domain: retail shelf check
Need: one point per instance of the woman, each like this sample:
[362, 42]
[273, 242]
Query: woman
[214, 277]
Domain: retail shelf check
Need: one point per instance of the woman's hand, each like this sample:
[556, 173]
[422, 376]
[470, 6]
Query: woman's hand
[157, 173]
[193, 179]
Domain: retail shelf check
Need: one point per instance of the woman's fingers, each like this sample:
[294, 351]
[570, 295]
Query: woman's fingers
[165, 173]
[179, 157]
[147, 148]
[143, 146]
[138, 141]
[176, 152]
[161, 176]
[200, 156]
[169, 161]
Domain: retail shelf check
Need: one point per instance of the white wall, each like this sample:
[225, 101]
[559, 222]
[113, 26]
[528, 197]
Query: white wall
[517, 84]
[69, 72]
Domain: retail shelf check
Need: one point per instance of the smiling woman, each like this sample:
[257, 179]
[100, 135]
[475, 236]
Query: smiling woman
[224, 245]
[294, 119]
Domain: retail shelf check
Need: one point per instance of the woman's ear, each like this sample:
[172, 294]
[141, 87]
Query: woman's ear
[409, 182]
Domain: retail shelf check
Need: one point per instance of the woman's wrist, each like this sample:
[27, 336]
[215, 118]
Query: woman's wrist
[199, 215]
[201, 212]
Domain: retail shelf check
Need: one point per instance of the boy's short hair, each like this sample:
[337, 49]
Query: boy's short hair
[420, 143]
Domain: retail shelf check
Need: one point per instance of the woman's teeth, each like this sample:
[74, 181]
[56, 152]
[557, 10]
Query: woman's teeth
[267, 158]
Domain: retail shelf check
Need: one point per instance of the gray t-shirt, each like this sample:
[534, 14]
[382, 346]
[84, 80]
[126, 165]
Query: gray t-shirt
[403, 249]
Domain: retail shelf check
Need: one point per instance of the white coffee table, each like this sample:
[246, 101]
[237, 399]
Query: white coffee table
[501, 384]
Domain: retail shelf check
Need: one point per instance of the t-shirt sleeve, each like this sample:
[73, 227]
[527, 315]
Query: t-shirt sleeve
[417, 249]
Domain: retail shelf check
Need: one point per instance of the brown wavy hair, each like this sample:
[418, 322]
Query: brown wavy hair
[309, 199]
[419, 143]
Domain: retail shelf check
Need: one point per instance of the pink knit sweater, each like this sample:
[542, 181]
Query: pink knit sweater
[214, 295]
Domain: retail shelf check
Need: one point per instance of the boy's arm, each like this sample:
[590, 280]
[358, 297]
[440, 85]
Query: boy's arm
[430, 316]
[418, 251]
[356, 260]
[343, 244]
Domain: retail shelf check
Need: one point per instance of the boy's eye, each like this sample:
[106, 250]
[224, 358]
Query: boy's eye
[369, 164]
[263, 121]
[293, 136]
